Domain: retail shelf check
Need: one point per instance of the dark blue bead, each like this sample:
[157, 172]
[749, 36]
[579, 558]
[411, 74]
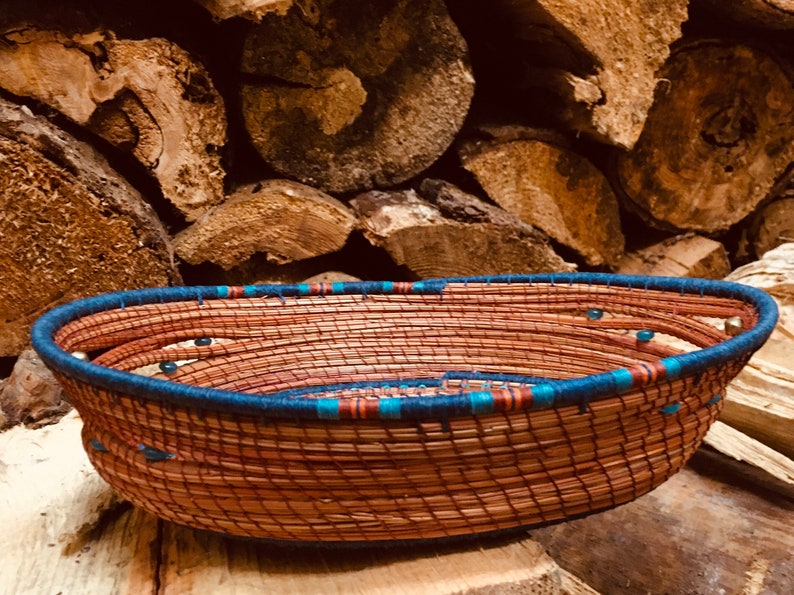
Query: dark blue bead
[594, 313]
[154, 454]
[202, 341]
[168, 367]
[671, 408]
[645, 336]
[714, 400]
[97, 445]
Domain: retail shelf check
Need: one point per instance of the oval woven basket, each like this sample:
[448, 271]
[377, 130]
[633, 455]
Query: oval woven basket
[381, 411]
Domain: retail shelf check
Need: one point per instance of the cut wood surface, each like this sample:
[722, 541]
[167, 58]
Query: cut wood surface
[715, 527]
[719, 135]
[70, 226]
[601, 56]
[66, 531]
[283, 219]
[252, 10]
[732, 442]
[348, 97]
[148, 97]
[551, 187]
[687, 255]
[452, 234]
[31, 395]
[760, 400]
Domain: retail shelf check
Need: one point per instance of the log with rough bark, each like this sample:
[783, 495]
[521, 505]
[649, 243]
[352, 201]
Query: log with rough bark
[719, 135]
[347, 96]
[452, 234]
[284, 219]
[537, 177]
[598, 58]
[147, 97]
[760, 400]
[31, 395]
[718, 526]
[687, 255]
[70, 226]
[65, 530]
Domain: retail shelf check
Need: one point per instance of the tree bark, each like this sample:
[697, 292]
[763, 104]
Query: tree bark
[349, 97]
[71, 227]
[540, 180]
[687, 255]
[452, 234]
[147, 97]
[719, 135]
[284, 219]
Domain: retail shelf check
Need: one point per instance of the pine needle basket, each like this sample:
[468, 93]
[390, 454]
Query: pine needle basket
[380, 411]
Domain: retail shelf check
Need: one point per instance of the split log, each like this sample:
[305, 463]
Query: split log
[599, 58]
[536, 176]
[147, 97]
[252, 10]
[59, 516]
[731, 442]
[759, 400]
[31, 395]
[687, 255]
[770, 14]
[71, 227]
[715, 527]
[284, 219]
[718, 136]
[452, 234]
[351, 96]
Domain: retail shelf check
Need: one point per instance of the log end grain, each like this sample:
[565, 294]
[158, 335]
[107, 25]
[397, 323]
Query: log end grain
[720, 132]
[71, 227]
[688, 255]
[283, 219]
[348, 99]
[552, 188]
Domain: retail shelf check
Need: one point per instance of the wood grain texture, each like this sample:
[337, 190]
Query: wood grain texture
[551, 187]
[715, 527]
[687, 255]
[66, 531]
[760, 400]
[148, 97]
[452, 234]
[283, 219]
[71, 226]
[719, 135]
[348, 98]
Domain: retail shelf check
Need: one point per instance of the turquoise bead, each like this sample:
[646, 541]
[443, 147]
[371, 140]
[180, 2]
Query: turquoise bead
[202, 342]
[168, 367]
[645, 336]
[594, 313]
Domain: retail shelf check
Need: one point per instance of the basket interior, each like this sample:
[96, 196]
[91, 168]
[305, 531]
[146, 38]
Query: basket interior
[403, 343]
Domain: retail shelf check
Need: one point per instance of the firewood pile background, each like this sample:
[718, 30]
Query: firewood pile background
[243, 141]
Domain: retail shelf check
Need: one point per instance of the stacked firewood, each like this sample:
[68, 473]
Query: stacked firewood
[242, 141]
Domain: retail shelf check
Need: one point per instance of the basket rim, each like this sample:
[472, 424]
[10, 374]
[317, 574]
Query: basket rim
[297, 404]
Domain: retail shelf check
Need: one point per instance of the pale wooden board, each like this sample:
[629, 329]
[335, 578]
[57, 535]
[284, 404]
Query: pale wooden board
[741, 447]
[66, 532]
